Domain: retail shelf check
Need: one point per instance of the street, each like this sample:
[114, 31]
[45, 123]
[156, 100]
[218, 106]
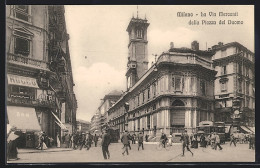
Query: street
[241, 153]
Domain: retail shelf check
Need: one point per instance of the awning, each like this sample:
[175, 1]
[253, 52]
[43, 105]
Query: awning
[23, 118]
[252, 129]
[62, 126]
[22, 81]
[245, 129]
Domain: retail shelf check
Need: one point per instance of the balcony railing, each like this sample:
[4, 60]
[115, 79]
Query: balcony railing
[25, 61]
[185, 59]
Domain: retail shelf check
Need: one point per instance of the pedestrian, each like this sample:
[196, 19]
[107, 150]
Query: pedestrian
[185, 142]
[232, 140]
[140, 140]
[252, 141]
[133, 138]
[163, 139]
[195, 141]
[88, 141]
[105, 143]
[12, 152]
[212, 140]
[170, 139]
[95, 140]
[129, 140]
[125, 141]
[67, 140]
[41, 140]
[203, 141]
[146, 138]
[217, 141]
[82, 141]
[58, 140]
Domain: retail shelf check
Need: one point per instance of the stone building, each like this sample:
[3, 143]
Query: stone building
[39, 75]
[101, 114]
[235, 84]
[83, 126]
[177, 92]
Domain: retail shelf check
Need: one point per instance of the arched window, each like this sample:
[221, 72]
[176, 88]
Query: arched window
[178, 103]
[139, 33]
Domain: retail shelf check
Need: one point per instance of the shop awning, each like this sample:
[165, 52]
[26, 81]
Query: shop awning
[59, 123]
[22, 81]
[23, 118]
[252, 129]
[245, 129]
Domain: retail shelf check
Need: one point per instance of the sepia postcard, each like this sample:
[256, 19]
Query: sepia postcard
[130, 83]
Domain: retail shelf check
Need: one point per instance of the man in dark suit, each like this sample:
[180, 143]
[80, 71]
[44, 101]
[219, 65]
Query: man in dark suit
[185, 142]
[125, 141]
[140, 140]
[105, 143]
[95, 140]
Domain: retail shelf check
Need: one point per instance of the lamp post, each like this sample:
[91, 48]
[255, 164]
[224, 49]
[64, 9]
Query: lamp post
[126, 105]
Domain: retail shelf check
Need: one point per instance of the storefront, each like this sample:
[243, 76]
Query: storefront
[25, 120]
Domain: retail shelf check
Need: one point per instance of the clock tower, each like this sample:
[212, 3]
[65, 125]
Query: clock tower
[137, 63]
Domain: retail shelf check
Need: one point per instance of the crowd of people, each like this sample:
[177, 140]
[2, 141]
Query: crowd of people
[78, 140]
[81, 140]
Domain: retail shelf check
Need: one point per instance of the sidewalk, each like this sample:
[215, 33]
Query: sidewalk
[31, 150]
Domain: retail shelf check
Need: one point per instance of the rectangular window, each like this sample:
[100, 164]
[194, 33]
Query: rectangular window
[203, 87]
[247, 71]
[177, 83]
[143, 96]
[154, 89]
[247, 102]
[239, 85]
[21, 46]
[239, 69]
[224, 103]
[223, 53]
[247, 88]
[223, 70]
[21, 12]
[223, 86]
[148, 93]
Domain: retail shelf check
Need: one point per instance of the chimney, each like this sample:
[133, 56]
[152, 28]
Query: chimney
[195, 45]
[220, 43]
[171, 45]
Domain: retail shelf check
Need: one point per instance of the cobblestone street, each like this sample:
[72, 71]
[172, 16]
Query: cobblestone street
[241, 153]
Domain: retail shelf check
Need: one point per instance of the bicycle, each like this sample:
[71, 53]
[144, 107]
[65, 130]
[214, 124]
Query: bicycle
[160, 145]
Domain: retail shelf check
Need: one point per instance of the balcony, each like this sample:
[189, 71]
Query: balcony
[25, 61]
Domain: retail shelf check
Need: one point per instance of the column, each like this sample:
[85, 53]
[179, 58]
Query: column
[195, 118]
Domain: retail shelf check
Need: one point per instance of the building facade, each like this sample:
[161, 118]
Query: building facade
[35, 90]
[177, 92]
[102, 117]
[83, 126]
[235, 84]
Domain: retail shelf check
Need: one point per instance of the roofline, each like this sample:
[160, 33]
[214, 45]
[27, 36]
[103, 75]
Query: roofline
[233, 44]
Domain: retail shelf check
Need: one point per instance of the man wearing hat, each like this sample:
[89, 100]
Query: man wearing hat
[105, 143]
[125, 141]
[185, 142]
[217, 141]
[140, 140]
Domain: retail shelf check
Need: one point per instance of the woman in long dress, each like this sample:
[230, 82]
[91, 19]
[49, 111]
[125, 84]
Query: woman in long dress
[58, 141]
[12, 145]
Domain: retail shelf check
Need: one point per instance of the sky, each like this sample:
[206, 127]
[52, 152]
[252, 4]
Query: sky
[98, 41]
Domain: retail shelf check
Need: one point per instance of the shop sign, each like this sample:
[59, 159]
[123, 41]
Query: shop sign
[45, 97]
[22, 81]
